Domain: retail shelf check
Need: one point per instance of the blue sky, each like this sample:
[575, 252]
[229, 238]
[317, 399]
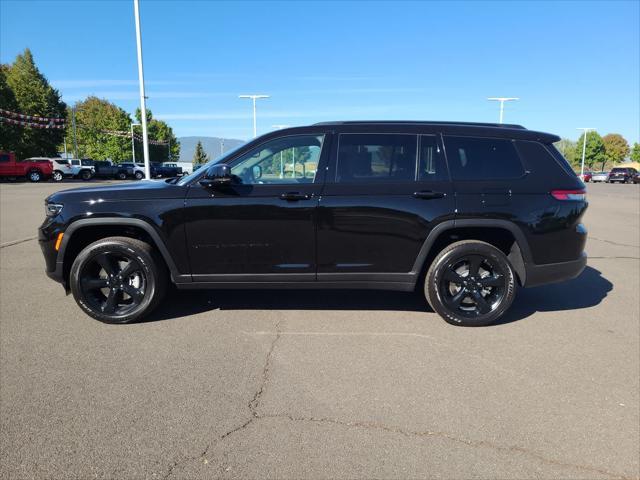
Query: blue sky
[573, 64]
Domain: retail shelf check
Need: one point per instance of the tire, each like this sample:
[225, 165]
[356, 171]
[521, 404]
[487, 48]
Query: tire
[466, 298]
[121, 176]
[86, 175]
[34, 176]
[139, 175]
[57, 176]
[108, 269]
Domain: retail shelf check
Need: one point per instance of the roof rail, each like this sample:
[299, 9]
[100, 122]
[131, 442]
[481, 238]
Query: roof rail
[422, 122]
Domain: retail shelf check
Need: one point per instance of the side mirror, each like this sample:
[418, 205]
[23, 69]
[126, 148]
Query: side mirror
[217, 175]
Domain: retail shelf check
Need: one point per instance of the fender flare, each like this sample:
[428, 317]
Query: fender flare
[519, 256]
[134, 222]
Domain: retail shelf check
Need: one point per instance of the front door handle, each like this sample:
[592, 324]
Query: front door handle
[294, 196]
[428, 194]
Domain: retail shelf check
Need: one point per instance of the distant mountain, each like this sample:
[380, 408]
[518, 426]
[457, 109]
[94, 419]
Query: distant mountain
[211, 145]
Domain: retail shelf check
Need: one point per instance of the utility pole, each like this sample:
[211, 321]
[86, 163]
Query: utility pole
[133, 143]
[254, 98]
[143, 108]
[584, 150]
[75, 141]
[502, 100]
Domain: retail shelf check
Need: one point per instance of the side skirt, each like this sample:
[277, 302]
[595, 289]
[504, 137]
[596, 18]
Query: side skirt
[397, 286]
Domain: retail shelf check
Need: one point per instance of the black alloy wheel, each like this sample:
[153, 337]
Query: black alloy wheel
[118, 279]
[85, 175]
[470, 283]
[139, 175]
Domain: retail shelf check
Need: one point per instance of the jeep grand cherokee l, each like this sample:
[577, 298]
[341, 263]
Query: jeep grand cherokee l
[466, 213]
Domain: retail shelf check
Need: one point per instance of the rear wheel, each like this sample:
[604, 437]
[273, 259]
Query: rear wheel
[139, 175]
[34, 176]
[121, 176]
[118, 279]
[85, 175]
[470, 283]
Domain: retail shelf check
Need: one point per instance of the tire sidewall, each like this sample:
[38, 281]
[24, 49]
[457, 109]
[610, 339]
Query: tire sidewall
[438, 267]
[106, 246]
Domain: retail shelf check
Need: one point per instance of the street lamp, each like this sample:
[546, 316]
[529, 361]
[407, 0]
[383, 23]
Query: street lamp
[502, 100]
[254, 98]
[133, 144]
[143, 108]
[584, 149]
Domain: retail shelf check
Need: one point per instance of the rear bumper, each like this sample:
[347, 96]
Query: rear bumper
[554, 272]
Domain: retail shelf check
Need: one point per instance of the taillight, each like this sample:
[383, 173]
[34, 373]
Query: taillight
[569, 194]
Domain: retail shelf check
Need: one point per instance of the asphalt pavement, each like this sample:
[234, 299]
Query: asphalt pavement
[322, 384]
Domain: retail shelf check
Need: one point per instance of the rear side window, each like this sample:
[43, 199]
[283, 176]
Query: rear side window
[475, 158]
[376, 157]
[540, 158]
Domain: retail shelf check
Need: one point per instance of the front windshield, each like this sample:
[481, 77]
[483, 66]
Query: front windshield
[200, 171]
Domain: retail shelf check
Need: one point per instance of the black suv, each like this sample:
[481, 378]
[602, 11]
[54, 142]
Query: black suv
[622, 175]
[465, 212]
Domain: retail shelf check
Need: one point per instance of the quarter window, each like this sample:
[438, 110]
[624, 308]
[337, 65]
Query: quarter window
[376, 157]
[474, 158]
[286, 160]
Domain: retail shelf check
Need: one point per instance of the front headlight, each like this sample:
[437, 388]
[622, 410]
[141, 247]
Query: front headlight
[53, 209]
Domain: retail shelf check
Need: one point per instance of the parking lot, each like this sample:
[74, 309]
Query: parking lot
[295, 384]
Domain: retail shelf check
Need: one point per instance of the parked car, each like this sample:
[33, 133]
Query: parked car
[586, 178]
[32, 170]
[599, 177]
[82, 168]
[61, 167]
[108, 169]
[636, 178]
[445, 207]
[136, 170]
[167, 170]
[622, 175]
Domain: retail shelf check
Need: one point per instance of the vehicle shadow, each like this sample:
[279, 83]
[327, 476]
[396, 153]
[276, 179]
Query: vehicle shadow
[588, 290]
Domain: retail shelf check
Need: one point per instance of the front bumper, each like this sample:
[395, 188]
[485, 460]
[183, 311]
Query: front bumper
[554, 272]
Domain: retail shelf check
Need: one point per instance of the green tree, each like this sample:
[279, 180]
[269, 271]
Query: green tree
[568, 150]
[94, 117]
[160, 131]
[34, 96]
[594, 153]
[635, 152]
[616, 149]
[9, 134]
[200, 156]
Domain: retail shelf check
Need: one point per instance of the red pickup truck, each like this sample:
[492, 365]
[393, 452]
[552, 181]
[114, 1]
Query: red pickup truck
[33, 170]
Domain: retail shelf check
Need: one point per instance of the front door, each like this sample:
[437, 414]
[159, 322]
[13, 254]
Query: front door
[262, 226]
[382, 196]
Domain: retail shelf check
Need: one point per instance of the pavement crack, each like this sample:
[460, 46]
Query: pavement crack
[252, 405]
[17, 242]
[448, 436]
[613, 243]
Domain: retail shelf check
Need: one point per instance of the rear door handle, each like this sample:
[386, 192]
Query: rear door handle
[294, 196]
[428, 194]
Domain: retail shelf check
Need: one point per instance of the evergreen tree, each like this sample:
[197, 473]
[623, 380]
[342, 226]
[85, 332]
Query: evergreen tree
[200, 156]
[9, 134]
[34, 96]
[594, 153]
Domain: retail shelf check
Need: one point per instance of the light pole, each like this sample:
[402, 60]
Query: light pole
[143, 108]
[584, 150]
[254, 98]
[502, 100]
[280, 127]
[133, 143]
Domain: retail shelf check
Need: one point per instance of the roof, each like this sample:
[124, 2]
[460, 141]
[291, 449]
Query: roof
[420, 122]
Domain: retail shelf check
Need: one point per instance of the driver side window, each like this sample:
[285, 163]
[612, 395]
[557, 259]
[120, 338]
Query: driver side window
[287, 160]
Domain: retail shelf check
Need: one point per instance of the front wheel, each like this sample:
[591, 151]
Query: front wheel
[118, 279]
[470, 283]
[139, 175]
[57, 176]
[121, 176]
[86, 175]
[35, 176]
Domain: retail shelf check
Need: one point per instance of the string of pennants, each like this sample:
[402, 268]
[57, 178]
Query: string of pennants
[33, 121]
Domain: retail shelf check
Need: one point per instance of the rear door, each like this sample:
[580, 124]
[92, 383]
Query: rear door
[383, 195]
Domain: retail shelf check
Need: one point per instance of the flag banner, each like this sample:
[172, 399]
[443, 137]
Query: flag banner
[32, 118]
[32, 124]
